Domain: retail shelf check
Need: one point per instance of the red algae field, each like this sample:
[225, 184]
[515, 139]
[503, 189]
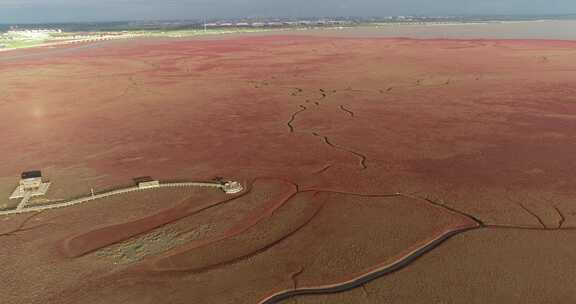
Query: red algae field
[375, 170]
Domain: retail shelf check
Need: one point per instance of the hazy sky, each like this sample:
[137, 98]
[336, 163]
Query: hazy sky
[12, 11]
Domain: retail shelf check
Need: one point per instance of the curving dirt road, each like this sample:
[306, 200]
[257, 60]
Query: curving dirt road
[378, 272]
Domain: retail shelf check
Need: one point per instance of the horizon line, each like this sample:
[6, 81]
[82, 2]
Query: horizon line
[200, 19]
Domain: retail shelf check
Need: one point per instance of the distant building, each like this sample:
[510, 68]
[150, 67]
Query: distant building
[33, 34]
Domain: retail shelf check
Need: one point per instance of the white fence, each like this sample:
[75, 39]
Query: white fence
[105, 195]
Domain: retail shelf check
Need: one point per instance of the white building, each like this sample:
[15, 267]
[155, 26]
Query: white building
[149, 185]
[33, 34]
[232, 187]
[31, 181]
[146, 182]
[31, 184]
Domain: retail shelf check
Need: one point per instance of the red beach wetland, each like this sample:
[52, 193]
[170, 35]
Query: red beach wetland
[369, 166]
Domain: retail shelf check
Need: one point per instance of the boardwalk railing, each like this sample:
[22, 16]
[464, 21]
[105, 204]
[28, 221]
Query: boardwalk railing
[105, 195]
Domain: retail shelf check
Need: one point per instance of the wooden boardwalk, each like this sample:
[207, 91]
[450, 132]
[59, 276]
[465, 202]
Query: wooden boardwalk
[23, 209]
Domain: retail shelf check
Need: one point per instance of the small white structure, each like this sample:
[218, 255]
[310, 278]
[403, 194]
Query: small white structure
[31, 184]
[146, 182]
[149, 184]
[232, 187]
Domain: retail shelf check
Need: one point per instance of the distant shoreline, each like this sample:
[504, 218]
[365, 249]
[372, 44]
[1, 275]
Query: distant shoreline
[542, 29]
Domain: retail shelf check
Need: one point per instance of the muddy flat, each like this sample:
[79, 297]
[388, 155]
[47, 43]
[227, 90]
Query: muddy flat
[380, 167]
